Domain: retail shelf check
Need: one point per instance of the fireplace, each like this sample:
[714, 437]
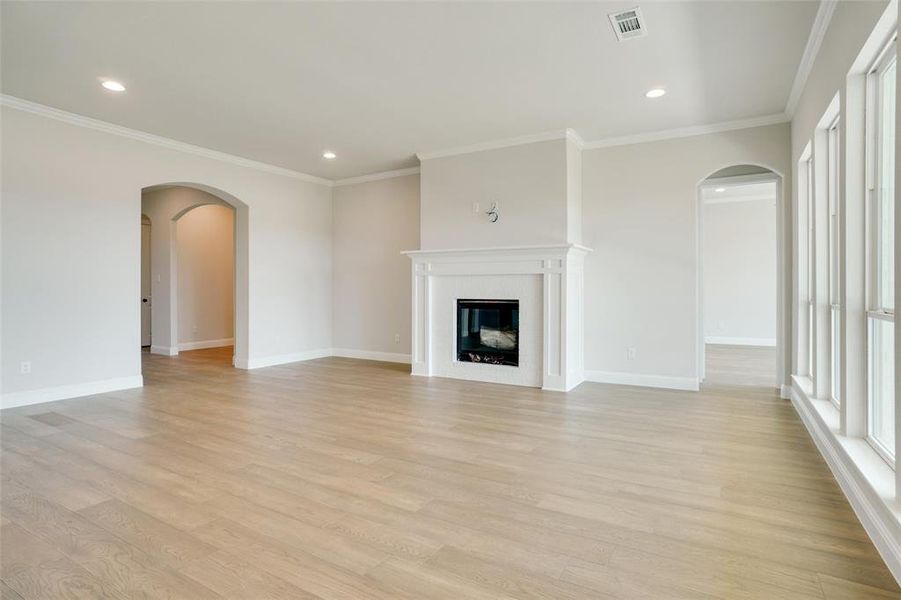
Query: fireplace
[488, 332]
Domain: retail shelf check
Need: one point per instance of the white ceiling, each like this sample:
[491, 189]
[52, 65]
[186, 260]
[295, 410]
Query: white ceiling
[279, 82]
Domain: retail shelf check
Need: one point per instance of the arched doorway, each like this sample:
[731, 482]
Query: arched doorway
[742, 305]
[171, 205]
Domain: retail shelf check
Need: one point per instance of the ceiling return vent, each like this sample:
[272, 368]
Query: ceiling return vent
[628, 24]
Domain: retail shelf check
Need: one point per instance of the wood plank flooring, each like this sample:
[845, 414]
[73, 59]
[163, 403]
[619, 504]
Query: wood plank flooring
[740, 365]
[344, 479]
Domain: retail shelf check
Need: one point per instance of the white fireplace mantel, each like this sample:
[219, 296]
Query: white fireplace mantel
[550, 280]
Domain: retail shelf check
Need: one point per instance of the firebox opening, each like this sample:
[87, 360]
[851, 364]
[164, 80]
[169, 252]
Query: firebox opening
[488, 332]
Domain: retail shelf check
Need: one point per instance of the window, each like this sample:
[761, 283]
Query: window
[805, 241]
[880, 260]
[833, 140]
[811, 270]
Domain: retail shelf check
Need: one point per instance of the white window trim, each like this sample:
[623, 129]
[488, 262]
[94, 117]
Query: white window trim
[875, 311]
[833, 159]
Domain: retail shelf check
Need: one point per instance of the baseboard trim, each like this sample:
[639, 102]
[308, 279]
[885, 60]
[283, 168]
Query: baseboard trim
[785, 392]
[392, 357]
[880, 519]
[639, 379]
[281, 359]
[740, 341]
[64, 392]
[206, 344]
[164, 350]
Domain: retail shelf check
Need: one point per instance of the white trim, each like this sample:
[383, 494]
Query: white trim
[392, 357]
[785, 391]
[560, 269]
[734, 199]
[866, 480]
[206, 344]
[739, 341]
[164, 350]
[539, 248]
[569, 134]
[639, 379]
[63, 392]
[668, 134]
[814, 40]
[881, 315]
[739, 180]
[573, 136]
[505, 143]
[281, 359]
[376, 176]
[142, 136]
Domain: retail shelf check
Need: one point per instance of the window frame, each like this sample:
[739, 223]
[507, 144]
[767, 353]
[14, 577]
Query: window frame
[811, 269]
[873, 292]
[834, 245]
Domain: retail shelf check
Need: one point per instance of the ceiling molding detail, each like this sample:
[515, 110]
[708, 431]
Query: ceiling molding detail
[560, 134]
[568, 134]
[88, 122]
[668, 134]
[377, 176]
[573, 136]
[814, 40]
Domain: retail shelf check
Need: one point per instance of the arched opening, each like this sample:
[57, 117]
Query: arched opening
[199, 271]
[741, 306]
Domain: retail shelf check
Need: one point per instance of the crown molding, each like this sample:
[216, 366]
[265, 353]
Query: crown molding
[573, 136]
[567, 134]
[149, 138]
[546, 136]
[667, 134]
[814, 40]
[376, 176]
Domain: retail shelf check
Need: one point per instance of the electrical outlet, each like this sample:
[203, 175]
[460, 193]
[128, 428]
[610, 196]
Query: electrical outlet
[195, 329]
[396, 338]
[25, 367]
[475, 208]
[630, 353]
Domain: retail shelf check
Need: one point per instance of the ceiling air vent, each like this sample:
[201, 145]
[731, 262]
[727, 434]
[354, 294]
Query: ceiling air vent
[628, 24]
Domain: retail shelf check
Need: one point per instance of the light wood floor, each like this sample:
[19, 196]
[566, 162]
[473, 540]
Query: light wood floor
[753, 366]
[347, 479]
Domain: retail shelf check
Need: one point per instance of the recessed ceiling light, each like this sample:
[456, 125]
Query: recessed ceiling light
[328, 154]
[113, 86]
[718, 190]
[655, 93]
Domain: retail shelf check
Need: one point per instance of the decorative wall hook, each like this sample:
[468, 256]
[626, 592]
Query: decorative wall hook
[493, 215]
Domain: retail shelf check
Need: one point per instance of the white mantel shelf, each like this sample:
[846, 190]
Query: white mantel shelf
[556, 269]
[502, 249]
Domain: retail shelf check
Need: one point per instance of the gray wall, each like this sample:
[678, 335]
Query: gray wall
[374, 222]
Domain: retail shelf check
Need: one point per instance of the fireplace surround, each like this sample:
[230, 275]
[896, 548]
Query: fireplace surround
[547, 282]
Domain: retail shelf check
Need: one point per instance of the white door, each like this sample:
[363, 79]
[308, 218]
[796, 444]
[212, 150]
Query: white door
[145, 281]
